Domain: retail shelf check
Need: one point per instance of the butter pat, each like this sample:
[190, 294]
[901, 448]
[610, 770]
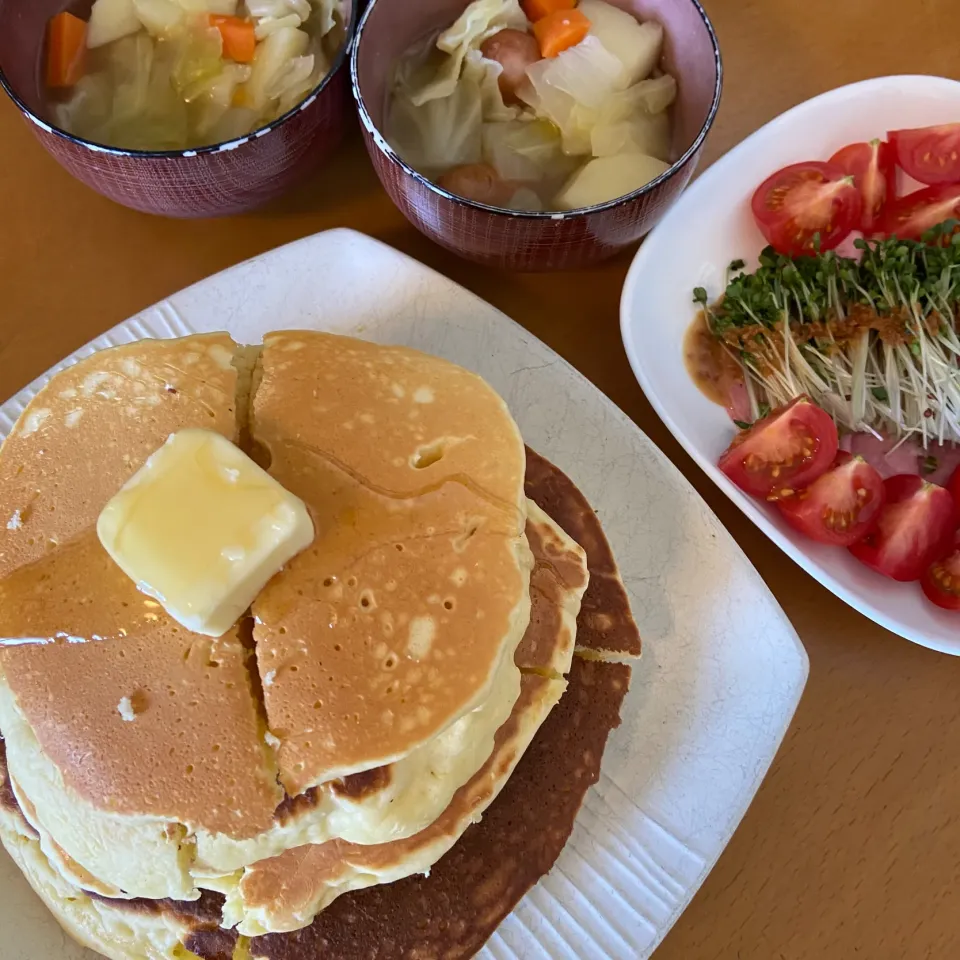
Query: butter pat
[201, 529]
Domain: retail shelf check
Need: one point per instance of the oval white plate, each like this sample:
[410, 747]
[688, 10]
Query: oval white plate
[692, 246]
[722, 669]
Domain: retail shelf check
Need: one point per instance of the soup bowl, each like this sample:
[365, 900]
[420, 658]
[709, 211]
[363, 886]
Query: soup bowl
[518, 240]
[208, 181]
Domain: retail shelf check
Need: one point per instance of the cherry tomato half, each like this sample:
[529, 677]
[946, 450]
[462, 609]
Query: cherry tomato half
[941, 582]
[806, 201]
[873, 168]
[915, 528]
[911, 216]
[840, 506]
[929, 154]
[785, 451]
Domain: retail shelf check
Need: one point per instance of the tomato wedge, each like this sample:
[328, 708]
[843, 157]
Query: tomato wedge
[929, 154]
[840, 506]
[807, 204]
[915, 528]
[913, 215]
[785, 451]
[873, 168]
[953, 485]
[941, 582]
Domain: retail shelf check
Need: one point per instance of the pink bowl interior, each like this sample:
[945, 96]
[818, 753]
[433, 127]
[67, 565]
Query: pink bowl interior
[690, 54]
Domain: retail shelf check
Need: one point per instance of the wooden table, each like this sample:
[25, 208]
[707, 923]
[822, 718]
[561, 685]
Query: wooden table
[852, 847]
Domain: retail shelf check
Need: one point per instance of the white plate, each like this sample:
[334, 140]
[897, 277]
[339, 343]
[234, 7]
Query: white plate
[692, 246]
[722, 669]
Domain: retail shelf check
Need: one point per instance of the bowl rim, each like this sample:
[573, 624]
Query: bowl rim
[223, 146]
[384, 147]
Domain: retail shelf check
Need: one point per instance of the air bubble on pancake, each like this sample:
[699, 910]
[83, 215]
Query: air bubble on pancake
[220, 355]
[421, 636]
[459, 577]
[368, 600]
[423, 395]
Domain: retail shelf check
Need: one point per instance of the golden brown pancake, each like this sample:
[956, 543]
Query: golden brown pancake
[416, 590]
[109, 796]
[285, 893]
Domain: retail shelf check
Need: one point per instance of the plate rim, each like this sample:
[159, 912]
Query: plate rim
[711, 176]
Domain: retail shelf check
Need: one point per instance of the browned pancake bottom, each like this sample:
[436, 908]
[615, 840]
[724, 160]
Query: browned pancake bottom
[451, 913]
[605, 624]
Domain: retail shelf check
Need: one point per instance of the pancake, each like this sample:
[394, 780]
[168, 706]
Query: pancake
[605, 627]
[113, 799]
[286, 892]
[557, 586]
[416, 590]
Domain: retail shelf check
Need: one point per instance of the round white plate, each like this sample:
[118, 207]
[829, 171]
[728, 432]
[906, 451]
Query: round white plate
[693, 245]
[722, 669]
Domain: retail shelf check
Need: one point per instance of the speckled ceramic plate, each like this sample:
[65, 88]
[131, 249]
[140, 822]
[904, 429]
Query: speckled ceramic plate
[722, 669]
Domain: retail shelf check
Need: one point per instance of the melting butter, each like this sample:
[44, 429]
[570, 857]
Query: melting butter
[201, 528]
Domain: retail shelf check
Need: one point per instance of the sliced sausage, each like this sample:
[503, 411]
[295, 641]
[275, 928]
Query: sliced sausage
[514, 50]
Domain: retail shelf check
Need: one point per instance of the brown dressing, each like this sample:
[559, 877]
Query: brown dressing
[709, 364]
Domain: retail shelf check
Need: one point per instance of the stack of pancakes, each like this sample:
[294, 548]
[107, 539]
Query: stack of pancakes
[169, 794]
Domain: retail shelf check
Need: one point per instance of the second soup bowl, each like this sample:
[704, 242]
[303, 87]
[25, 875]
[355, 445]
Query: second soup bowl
[519, 240]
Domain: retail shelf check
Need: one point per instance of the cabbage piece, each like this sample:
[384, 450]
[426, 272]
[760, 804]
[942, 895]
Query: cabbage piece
[644, 133]
[227, 8]
[551, 103]
[159, 17]
[527, 151]
[292, 84]
[210, 99]
[89, 106]
[637, 46]
[481, 20]
[198, 57]
[647, 96]
[323, 20]
[235, 123]
[279, 8]
[270, 25]
[588, 72]
[162, 123]
[111, 20]
[486, 74]
[130, 62]
[271, 66]
[442, 133]
[607, 178]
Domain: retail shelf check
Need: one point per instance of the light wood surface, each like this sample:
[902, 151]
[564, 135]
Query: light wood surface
[852, 848]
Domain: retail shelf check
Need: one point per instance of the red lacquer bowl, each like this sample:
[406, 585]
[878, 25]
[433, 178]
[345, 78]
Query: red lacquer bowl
[534, 241]
[210, 181]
